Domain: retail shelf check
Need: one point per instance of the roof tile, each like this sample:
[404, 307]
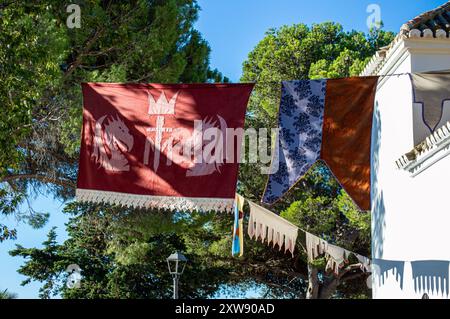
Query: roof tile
[435, 19]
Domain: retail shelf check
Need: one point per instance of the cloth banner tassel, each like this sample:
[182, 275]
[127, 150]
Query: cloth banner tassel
[335, 256]
[315, 246]
[365, 263]
[263, 224]
[149, 145]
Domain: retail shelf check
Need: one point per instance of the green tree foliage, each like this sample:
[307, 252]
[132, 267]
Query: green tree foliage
[317, 203]
[5, 294]
[302, 52]
[122, 253]
[120, 261]
[133, 41]
[42, 63]
[299, 52]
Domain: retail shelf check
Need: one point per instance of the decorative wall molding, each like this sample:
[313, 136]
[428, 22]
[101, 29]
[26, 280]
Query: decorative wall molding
[434, 148]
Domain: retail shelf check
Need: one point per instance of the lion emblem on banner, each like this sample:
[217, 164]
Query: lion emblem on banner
[112, 139]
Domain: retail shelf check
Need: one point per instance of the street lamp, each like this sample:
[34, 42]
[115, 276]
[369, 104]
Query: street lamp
[176, 263]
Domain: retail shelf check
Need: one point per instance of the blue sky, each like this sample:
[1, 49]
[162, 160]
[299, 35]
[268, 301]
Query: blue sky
[28, 237]
[232, 28]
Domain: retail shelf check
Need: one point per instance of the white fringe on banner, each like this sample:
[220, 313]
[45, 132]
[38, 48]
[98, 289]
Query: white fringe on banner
[278, 231]
[156, 202]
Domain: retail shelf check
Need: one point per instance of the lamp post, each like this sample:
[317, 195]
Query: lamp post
[176, 263]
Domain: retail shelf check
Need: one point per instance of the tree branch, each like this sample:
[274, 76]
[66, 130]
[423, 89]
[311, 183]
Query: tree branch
[353, 276]
[348, 269]
[86, 49]
[41, 178]
[265, 266]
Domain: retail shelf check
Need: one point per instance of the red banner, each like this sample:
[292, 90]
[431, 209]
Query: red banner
[162, 146]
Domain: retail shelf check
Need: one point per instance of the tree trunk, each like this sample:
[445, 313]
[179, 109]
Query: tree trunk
[313, 283]
[328, 288]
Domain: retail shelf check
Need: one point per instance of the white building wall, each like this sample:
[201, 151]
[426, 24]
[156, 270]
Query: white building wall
[410, 215]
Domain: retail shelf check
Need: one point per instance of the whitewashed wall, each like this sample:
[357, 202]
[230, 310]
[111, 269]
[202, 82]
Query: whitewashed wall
[410, 216]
